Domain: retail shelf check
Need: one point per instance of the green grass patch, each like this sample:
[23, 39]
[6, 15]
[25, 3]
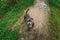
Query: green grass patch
[54, 27]
[55, 3]
[11, 17]
[55, 23]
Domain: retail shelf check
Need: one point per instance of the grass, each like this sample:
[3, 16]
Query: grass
[55, 21]
[10, 18]
[54, 27]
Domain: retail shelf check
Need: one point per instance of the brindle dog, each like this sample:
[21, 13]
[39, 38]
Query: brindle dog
[29, 21]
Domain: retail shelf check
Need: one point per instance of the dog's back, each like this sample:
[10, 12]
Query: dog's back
[26, 15]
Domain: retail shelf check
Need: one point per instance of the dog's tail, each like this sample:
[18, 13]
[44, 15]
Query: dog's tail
[27, 10]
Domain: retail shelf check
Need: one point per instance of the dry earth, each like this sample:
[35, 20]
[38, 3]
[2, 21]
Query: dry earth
[40, 14]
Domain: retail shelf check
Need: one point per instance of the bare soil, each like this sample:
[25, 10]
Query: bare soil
[40, 14]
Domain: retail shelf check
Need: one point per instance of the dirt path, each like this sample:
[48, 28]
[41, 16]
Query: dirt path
[39, 12]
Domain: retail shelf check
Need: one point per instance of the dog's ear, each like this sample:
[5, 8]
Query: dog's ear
[32, 18]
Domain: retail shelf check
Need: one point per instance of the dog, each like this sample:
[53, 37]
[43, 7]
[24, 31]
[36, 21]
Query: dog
[29, 21]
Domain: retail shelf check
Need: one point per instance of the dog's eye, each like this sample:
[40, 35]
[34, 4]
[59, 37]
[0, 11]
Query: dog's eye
[29, 20]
